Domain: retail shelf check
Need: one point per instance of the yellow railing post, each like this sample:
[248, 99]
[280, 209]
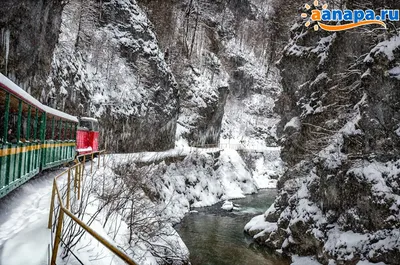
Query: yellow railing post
[82, 173]
[53, 194]
[68, 187]
[58, 237]
[91, 165]
[98, 160]
[76, 178]
[78, 181]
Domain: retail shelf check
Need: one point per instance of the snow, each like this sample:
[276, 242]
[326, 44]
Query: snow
[323, 46]
[377, 175]
[227, 206]
[398, 131]
[293, 123]
[30, 246]
[321, 49]
[350, 126]
[88, 119]
[347, 242]
[294, 49]
[332, 155]
[59, 113]
[199, 180]
[267, 168]
[247, 130]
[395, 72]
[385, 48]
[259, 224]
[338, 240]
[206, 182]
[297, 260]
[24, 236]
[306, 210]
[22, 93]
[203, 177]
[365, 262]
[88, 149]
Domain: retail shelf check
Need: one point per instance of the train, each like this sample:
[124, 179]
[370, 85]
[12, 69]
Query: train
[35, 137]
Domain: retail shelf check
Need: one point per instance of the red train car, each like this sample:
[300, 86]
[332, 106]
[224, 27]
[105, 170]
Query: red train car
[87, 136]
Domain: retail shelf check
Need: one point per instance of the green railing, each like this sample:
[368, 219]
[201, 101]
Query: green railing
[18, 163]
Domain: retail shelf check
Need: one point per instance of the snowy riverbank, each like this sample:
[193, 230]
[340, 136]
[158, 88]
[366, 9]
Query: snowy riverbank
[172, 183]
[167, 185]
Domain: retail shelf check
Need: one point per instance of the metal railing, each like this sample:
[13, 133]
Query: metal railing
[75, 176]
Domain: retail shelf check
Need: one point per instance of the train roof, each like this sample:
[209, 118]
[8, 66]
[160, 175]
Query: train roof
[88, 119]
[12, 88]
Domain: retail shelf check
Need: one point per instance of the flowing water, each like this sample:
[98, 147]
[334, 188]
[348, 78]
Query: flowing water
[215, 237]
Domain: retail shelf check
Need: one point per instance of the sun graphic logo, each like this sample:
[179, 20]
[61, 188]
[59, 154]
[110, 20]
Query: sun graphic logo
[347, 19]
[313, 14]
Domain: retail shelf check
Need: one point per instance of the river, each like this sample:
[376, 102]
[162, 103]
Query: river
[215, 236]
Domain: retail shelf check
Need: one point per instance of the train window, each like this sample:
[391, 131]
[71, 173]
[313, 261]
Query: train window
[86, 125]
[24, 125]
[74, 129]
[3, 95]
[71, 131]
[49, 128]
[12, 127]
[25, 120]
[2, 120]
[12, 132]
[41, 131]
[62, 130]
[67, 129]
[56, 135]
[62, 134]
[71, 135]
[32, 124]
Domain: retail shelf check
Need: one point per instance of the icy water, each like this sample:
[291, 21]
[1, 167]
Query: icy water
[215, 237]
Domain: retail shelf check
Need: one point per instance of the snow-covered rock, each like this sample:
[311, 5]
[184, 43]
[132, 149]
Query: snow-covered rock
[227, 206]
[114, 70]
[338, 199]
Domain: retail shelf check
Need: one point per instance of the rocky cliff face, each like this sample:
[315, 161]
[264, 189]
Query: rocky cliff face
[94, 58]
[339, 200]
[29, 33]
[217, 51]
[108, 64]
[104, 59]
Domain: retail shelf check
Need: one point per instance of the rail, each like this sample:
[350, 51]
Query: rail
[75, 176]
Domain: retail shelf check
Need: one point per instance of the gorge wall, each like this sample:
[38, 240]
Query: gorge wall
[189, 70]
[94, 58]
[340, 131]
[217, 51]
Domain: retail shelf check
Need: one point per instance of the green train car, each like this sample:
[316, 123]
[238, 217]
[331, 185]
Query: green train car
[33, 136]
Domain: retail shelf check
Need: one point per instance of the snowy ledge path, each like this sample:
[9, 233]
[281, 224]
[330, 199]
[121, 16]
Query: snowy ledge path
[24, 237]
